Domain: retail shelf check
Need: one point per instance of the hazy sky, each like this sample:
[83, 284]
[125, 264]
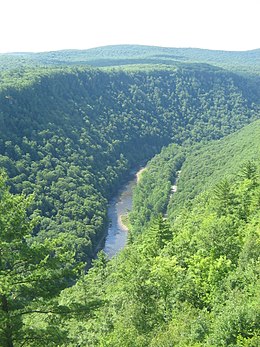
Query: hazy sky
[44, 25]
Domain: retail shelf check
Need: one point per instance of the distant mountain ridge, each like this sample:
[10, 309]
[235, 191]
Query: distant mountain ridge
[115, 55]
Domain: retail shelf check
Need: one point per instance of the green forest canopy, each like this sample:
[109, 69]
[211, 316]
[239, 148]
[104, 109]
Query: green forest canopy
[193, 281]
[70, 135]
[247, 61]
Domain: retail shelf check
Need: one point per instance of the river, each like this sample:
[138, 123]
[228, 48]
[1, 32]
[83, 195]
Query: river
[119, 206]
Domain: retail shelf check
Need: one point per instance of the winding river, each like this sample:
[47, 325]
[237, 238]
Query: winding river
[119, 206]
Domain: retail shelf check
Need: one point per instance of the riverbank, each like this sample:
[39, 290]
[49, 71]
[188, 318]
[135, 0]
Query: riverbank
[118, 210]
[122, 222]
[123, 219]
[139, 174]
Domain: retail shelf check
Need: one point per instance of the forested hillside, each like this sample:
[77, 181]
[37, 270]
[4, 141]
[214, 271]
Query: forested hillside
[193, 169]
[246, 62]
[69, 137]
[218, 160]
[191, 282]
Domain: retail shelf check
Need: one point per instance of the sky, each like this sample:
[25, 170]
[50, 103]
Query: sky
[47, 25]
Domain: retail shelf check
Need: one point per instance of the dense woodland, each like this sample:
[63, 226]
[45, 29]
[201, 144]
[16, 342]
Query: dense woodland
[69, 138]
[202, 166]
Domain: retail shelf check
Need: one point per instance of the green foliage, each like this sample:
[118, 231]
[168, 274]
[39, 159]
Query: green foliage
[31, 275]
[190, 275]
[120, 55]
[214, 162]
[194, 282]
[152, 194]
[71, 135]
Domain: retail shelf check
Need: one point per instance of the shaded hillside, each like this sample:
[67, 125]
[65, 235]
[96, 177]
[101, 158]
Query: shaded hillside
[218, 160]
[71, 135]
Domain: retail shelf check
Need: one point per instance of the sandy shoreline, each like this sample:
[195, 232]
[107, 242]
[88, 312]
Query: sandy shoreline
[119, 220]
[121, 224]
[139, 174]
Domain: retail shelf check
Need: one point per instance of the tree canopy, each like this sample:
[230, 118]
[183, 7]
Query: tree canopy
[31, 275]
[69, 137]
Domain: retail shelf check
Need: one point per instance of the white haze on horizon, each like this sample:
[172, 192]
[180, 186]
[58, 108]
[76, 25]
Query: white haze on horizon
[48, 25]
